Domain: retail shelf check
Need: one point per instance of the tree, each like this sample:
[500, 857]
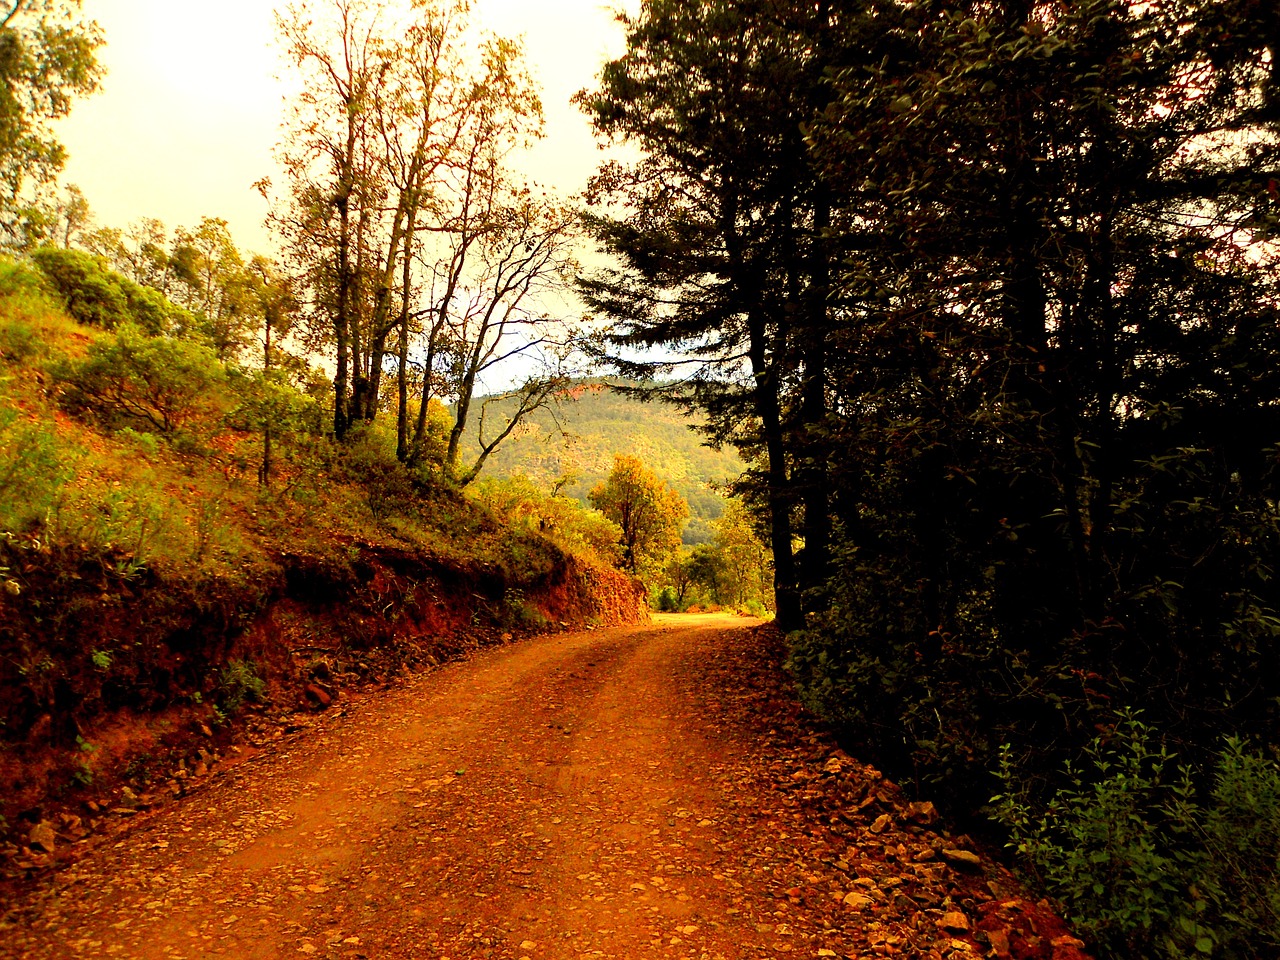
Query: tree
[216, 285]
[71, 217]
[140, 252]
[725, 254]
[415, 248]
[47, 59]
[334, 188]
[526, 248]
[744, 558]
[275, 303]
[645, 508]
[1058, 284]
[985, 281]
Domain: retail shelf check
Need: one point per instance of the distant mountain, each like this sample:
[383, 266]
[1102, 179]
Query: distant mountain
[593, 422]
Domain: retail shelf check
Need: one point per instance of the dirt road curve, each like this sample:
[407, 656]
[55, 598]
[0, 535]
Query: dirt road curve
[601, 794]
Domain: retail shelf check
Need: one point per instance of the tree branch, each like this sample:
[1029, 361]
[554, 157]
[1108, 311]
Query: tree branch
[17, 8]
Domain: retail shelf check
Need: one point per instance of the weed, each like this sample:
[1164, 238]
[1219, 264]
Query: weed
[19, 341]
[101, 660]
[208, 513]
[1144, 864]
[125, 521]
[143, 441]
[238, 683]
[34, 467]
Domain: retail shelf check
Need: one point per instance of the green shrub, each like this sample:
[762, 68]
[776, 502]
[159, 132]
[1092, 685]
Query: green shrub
[1141, 864]
[28, 315]
[87, 288]
[239, 682]
[132, 379]
[34, 467]
[145, 443]
[97, 296]
[1240, 834]
[19, 340]
[371, 464]
[19, 280]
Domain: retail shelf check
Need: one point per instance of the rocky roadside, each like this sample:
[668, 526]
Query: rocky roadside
[899, 876]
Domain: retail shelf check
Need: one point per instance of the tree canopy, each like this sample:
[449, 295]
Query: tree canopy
[645, 508]
[987, 291]
[48, 57]
[419, 254]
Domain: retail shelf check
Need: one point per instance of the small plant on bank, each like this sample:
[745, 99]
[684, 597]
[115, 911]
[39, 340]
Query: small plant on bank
[238, 683]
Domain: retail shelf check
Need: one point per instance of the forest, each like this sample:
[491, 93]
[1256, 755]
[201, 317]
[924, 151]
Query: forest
[986, 293]
[983, 293]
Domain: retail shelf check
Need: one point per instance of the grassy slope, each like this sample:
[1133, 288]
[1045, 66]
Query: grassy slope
[152, 589]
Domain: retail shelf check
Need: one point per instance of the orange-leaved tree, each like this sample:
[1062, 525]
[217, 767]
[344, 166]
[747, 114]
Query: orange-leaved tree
[646, 508]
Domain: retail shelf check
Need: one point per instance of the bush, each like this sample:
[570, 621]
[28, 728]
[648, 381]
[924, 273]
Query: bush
[1141, 864]
[135, 379]
[33, 470]
[667, 601]
[239, 682]
[371, 464]
[99, 297]
[19, 280]
[27, 314]
[19, 341]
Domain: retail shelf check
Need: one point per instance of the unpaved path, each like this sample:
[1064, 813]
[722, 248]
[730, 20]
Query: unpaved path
[623, 793]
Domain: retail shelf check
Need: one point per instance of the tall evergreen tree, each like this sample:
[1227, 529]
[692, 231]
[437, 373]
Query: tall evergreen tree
[724, 254]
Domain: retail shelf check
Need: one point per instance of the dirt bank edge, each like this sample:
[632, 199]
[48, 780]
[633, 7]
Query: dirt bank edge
[119, 690]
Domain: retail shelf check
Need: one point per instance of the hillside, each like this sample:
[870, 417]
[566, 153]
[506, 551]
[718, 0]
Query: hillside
[157, 593]
[593, 421]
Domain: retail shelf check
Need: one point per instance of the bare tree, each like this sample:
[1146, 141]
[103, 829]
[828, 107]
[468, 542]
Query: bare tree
[420, 255]
[339, 54]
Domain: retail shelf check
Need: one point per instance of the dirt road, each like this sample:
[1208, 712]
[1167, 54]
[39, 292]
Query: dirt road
[623, 793]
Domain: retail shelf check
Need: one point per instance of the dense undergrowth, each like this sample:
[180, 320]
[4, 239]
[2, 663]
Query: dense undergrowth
[178, 535]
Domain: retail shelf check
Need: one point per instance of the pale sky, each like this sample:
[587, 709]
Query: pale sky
[190, 107]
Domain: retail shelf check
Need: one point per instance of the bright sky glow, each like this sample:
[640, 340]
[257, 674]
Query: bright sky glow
[190, 107]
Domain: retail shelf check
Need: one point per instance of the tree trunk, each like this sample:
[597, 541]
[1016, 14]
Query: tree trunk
[790, 615]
